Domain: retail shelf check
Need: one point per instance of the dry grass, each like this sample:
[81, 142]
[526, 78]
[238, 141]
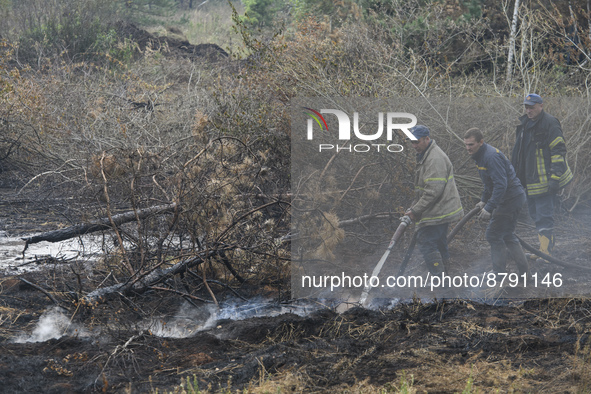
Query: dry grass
[237, 114]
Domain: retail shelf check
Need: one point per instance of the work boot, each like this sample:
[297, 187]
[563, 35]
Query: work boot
[516, 253]
[434, 263]
[436, 267]
[546, 243]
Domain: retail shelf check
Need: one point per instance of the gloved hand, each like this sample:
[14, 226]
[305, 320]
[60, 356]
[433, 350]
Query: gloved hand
[484, 215]
[553, 186]
[480, 205]
[406, 219]
[410, 214]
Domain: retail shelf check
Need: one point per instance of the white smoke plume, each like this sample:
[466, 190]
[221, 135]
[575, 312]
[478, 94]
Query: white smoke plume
[53, 323]
[189, 320]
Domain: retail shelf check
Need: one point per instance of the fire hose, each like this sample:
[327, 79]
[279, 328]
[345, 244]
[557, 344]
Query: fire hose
[405, 221]
[451, 236]
[461, 224]
[549, 258]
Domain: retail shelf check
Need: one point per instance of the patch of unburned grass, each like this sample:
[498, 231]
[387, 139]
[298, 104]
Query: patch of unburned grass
[209, 23]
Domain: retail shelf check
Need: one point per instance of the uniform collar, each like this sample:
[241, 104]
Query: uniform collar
[421, 156]
[525, 120]
[478, 155]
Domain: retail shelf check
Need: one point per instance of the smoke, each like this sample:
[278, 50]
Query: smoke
[186, 322]
[53, 323]
[189, 320]
[258, 307]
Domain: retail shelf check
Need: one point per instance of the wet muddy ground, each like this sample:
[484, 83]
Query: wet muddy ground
[439, 347]
[152, 343]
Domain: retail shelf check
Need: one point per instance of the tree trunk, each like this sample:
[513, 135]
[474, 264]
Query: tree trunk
[144, 283]
[589, 18]
[512, 41]
[97, 225]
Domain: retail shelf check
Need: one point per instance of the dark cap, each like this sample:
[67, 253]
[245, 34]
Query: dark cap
[532, 99]
[420, 131]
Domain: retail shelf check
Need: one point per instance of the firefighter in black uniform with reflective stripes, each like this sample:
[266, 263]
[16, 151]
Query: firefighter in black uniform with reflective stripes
[539, 159]
[501, 201]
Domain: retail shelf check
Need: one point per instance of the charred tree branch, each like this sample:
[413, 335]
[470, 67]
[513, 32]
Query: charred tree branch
[42, 290]
[145, 283]
[97, 225]
[215, 301]
[226, 261]
[217, 282]
[182, 294]
[114, 226]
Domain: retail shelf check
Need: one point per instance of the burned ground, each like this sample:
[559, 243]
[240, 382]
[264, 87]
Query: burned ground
[531, 346]
[524, 346]
[143, 343]
[128, 344]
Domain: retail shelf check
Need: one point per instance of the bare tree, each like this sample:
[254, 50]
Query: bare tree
[512, 41]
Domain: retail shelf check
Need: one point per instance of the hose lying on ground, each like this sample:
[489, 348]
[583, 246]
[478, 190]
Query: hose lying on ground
[461, 224]
[549, 258]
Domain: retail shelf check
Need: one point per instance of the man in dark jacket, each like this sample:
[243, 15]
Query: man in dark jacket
[437, 201]
[501, 201]
[539, 159]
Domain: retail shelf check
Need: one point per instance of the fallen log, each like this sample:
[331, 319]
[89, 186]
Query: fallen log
[97, 225]
[146, 282]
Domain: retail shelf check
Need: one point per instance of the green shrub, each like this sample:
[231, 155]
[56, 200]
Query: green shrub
[259, 12]
[68, 28]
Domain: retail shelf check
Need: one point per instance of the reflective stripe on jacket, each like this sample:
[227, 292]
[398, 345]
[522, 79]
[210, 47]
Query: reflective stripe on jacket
[436, 195]
[539, 154]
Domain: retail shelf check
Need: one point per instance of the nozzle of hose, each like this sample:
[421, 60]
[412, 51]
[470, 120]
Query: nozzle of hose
[406, 220]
